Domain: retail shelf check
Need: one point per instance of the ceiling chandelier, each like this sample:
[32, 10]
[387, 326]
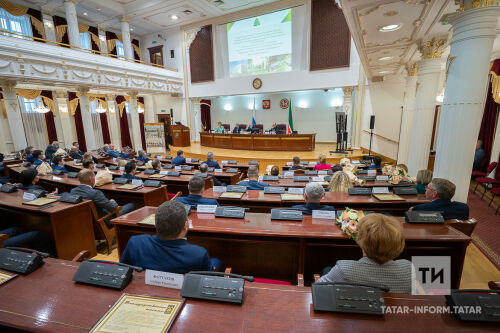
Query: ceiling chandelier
[41, 108]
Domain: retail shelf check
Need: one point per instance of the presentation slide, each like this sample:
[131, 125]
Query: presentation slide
[261, 44]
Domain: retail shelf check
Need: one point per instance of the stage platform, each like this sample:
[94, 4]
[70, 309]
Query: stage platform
[265, 158]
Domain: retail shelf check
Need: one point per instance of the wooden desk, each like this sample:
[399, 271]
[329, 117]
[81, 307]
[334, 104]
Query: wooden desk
[146, 196]
[257, 201]
[180, 136]
[279, 142]
[69, 225]
[289, 182]
[280, 250]
[242, 167]
[48, 300]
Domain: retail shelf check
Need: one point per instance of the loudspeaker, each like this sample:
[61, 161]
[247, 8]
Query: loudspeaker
[372, 122]
[172, 115]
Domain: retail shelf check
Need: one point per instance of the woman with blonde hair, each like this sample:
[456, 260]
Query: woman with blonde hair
[322, 163]
[424, 177]
[340, 182]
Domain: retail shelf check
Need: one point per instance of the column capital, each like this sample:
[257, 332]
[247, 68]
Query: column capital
[110, 97]
[412, 68]
[471, 4]
[432, 48]
[348, 91]
[125, 19]
[8, 85]
[133, 94]
[61, 94]
[82, 90]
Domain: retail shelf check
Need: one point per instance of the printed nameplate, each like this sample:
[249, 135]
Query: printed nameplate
[206, 209]
[380, 190]
[188, 160]
[218, 170]
[164, 279]
[136, 182]
[372, 172]
[288, 174]
[56, 178]
[29, 196]
[178, 167]
[122, 169]
[318, 179]
[219, 189]
[382, 178]
[163, 172]
[296, 190]
[323, 214]
[322, 172]
[289, 163]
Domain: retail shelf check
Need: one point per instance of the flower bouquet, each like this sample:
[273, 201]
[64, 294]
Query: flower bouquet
[348, 221]
[398, 175]
[388, 169]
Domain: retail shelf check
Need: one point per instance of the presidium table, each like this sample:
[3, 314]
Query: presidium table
[283, 142]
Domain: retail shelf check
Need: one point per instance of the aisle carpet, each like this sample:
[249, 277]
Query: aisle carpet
[486, 236]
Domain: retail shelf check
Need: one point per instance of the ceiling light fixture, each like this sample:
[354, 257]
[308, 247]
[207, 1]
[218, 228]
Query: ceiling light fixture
[99, 9]
[174, 17]
[390, 27]
[385, 72]
[85, 13]
[131, 29]
[385, 58]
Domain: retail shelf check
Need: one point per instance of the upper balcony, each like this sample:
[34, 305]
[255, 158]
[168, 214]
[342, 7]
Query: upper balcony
[57, 64]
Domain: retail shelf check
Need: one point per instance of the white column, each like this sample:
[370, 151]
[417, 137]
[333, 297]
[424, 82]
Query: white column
[50, 31]
[196, 120]
[113, 120]
[407, 118]
[63, 113]
[14, 115]
[474, 32]
[127, 43]
[101, 28]
[425, 104]
[348, 111]
[72, 20]
[149, 109]
[88, 128]
[134, 117]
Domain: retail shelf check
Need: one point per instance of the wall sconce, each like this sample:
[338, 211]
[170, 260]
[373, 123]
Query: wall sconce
[102, 38]
[250, 106]
[49, 24]
[440, 98]
[63, 108]
[111, 108]
[228, 107]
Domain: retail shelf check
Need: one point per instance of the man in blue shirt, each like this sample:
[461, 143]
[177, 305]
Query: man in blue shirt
[479, 155]
[57, 164]
[110, 150]
[78, 148]
[130, 169]
[38, 157]
[440, 191]
[142, 156]
[179, 160]
[210, 161]
[169, 250]
[253, 179]
[296, 164]
[125, 154]
[204, 169]
[313, 194]
[74, 154]
[29, 154]
[51, 149]
[196, 186]
[376, 162]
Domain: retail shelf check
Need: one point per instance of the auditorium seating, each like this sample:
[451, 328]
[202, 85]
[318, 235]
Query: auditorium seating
[489, 169]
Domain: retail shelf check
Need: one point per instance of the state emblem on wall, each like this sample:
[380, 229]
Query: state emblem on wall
[266, 104]
[284, 103]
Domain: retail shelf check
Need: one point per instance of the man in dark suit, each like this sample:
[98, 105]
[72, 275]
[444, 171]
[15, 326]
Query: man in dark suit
[125, 153]
[75, 144]
[479, 155]
[142, 156]
[196, 186]
[179, 160]
[275, 128]
[204, 169]
[101, 203]
[168, 250]
[110, 150]
[253, 179]
[313, 194]
[210, 161]
[38, 158]
[296, 164]
[440, 191]
[74, 154]
[130, 169]
[51, 149]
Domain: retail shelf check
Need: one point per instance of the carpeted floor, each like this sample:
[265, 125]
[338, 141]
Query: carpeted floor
[486, 236]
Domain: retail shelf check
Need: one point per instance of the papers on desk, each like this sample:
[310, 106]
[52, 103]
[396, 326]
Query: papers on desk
[159, 175]
[231, 195]
[129, 187]
[294, 197]
[5, 277]
[289, 163]
[138, 313]
[288, 174]
[388, 197]
[150, 220]
[40, 202]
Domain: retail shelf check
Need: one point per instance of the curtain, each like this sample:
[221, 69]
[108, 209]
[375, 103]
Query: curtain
[18, 24]
[96, 123]
[106, 138]
[61, 27]
[49, 116]
[111, 39]
[34, 123]
[137, 50]
[93, 33]
[124, 129]
[489, 121]
[85, 41]
[206, 122]
[34, 18]
[140, 100]
[80, 133]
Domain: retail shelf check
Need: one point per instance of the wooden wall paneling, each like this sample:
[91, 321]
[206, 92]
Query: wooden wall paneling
[201, 60]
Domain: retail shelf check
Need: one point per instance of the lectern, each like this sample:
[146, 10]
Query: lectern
[180, 136]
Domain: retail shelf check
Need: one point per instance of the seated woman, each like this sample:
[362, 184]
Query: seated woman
[28, 179]
[381, 239]
[322, 164]
[57, 164]
[376, 162]
[272, 170]
[220, 128]
[155, 164]
[340, 182]
[424, 177]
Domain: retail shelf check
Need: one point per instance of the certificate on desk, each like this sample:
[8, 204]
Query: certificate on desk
[150, 220]
[388, 197]
[293, 197]
[5, 277]
[40, 201]
[138, 313]
[231, 195]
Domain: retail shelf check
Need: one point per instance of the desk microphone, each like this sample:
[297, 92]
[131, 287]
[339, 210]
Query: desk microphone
[244, 277]
[23, 249]
[137, 268]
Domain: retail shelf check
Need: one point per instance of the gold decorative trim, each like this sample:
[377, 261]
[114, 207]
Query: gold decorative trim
[412, 69]
[449, 62]
[467, 4]
[432, 49]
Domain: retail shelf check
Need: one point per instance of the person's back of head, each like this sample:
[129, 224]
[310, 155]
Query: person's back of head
[296, 160]
[130, 167]
[322, 159]
[170, 220]
[73, 148]
[424, 177]
[155, 164]
[37, 154]
[180, 152]
[87, 156]
[444, 188]
[380, 237]
[340, 182]
[253, 172]
[196, 185]
[314, 192]
[210, 156]
[336, 168]
[27, 176]
[28, 150]
[377, 160]
[1, 157]
[141, 152]
[88, 164]
[55, 143]
[56, 160]
[86, 176]
[203, 167]
[403, 166]
[275, 170]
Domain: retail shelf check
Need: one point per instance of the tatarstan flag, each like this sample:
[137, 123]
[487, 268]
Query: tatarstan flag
[289, 129]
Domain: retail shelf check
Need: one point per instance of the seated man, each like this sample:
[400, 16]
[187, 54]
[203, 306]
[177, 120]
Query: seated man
[168, 250]
[142, 156]
[74, 154]
[156, 164]
[210, 161]
[381, 239]
[440, 191]
[296, 164]
[111, 151]
[51, 149]
[376, 163]
[179, 160]
[28, 179]
[313, 193]
[130, 169]
[88, 164]
[29, 154]
[57, 164]
[101, 203]
[35, 240]
[195, 187]
[204, 169]
[479, 155]
[75, 144]
[125, 153]
[38, 157]
[275, 129]
[253, 179]
[237, 129]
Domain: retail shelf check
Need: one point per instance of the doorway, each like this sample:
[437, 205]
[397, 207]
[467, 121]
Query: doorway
[166, 120]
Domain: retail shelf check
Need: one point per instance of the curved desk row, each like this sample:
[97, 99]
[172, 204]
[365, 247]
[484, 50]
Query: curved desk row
[280, 142]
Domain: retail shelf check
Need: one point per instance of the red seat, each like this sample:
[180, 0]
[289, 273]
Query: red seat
[486, 181]
[489, 169]
[495, 191]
